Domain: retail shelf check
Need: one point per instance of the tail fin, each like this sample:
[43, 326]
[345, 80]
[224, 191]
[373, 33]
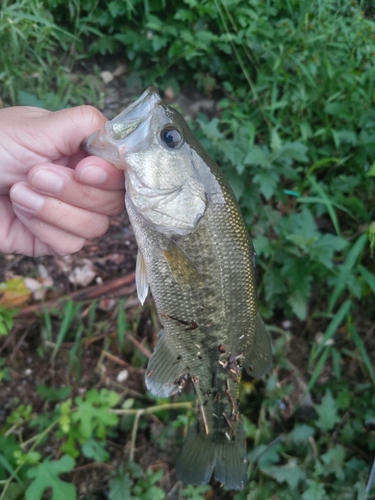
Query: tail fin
[205, 455]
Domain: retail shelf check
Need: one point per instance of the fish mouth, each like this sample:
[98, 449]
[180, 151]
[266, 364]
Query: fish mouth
[109, 141]
[141, 108]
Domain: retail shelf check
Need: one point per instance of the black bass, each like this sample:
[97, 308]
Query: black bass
[198, 260]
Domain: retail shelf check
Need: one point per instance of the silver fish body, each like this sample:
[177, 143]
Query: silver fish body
[196, 256]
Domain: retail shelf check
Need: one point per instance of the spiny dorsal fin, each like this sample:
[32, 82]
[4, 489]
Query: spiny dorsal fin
[258, 360]
[182, 268]
[141, 278]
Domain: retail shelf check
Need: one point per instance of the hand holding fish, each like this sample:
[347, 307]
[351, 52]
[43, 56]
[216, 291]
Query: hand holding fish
[53, 196]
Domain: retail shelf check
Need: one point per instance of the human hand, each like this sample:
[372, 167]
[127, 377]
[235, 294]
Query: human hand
[53, 196]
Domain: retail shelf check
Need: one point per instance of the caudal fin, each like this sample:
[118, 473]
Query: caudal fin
[203, 456]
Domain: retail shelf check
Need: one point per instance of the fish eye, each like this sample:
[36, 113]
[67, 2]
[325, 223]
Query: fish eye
[171, 137]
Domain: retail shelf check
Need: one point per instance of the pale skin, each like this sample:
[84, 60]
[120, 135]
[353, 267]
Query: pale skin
[53, 196]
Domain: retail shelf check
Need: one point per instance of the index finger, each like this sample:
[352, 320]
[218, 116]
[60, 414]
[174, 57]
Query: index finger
[98, 172]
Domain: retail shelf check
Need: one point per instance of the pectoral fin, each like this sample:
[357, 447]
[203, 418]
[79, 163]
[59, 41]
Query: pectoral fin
[141, 278]
[258, 360]
[182, 268]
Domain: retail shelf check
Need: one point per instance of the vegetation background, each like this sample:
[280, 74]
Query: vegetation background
[293, 127]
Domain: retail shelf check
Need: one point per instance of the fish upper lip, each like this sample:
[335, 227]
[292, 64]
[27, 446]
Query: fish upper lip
[141, 108]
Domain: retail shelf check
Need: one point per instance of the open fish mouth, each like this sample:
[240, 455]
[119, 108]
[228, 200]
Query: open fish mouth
[109, 141]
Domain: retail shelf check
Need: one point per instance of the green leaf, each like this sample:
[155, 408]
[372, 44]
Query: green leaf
[371, 172]
[334, 461]
[257, 157]
[265, 456]
[93, 415]
[195, 492]
[315, 491]
[327, 412]
[96, 450]
[53, 393]
[323, 250]
[28, 99]
[294, 151]
[120, 487]
[301, 433]
[267, 181]
[46, 475]
[250, 428]
[298, 304]
[211, 129]
[290, 474]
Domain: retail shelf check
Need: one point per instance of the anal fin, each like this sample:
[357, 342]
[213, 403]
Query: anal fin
[163, 369]
[258, 360]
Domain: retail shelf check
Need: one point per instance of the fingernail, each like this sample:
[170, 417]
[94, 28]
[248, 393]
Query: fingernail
[47, 181]
[93, 175]
[26, 199]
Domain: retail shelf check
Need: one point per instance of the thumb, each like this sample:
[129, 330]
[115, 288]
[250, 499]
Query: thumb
[67, 128]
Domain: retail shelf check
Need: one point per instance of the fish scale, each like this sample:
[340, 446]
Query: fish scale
[198, 260]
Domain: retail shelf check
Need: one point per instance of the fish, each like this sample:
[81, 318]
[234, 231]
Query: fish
[196, 256]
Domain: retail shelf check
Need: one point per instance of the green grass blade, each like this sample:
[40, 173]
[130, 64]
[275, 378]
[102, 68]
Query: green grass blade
[75, 348]
[316, 199]
[70, 312]
[346, 269]
[47, 330]
[336, 358]
[332, 327]
[362, 349]
[318, 368]
[7, 466]
[368, 277]
[121, 323]
[327, 202]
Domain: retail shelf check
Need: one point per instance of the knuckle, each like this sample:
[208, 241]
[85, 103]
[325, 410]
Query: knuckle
[71, 244]
[100, 227]
[92, 116]
[114, 206]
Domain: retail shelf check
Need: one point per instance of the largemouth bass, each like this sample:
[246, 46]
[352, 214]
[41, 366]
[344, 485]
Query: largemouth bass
[197, 258]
